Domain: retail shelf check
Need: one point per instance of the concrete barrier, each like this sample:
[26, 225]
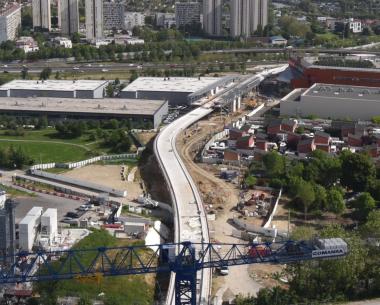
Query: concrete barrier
[274, 210]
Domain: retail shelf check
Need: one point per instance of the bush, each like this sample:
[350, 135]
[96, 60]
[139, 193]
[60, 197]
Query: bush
[276, 183]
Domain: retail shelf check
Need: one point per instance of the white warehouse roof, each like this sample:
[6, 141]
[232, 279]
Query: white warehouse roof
[343, 92]
[173, 84]
[71, 105]
[54, 85]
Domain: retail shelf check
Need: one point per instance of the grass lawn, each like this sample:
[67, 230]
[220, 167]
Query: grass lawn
[49, 134]
[45, 146]
[13, 192]
[121, 290]
[49, 152]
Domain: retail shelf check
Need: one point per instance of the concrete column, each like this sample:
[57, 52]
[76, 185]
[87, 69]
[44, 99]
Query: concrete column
[239, 102]
[234, 105]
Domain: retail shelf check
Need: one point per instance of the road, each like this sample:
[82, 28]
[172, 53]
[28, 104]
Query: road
[190, 222]
[62, 66]
[293, 50]
[189, 217]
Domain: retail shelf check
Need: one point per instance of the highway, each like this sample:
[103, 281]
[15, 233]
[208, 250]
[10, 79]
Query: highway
[190, 222]
[79, 68]
[59, 64]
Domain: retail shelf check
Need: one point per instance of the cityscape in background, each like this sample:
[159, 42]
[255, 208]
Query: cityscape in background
[212, 152]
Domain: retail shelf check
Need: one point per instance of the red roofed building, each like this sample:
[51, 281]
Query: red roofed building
[231, 155]
[322, 141]
[235, 133]
[245, 142]
[306, 74]
[306, 146]
[354, 140]
[277, 126]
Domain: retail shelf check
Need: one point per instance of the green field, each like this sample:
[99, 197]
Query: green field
[49, 152]
[120, 290]
[44, 146]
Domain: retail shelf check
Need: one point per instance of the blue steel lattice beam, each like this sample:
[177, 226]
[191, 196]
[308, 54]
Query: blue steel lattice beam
[184, 259]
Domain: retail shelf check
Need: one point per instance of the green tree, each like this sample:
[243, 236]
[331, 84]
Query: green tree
[110, 90]
[335, 201]
[363, 205]
[24, 73]
[42, 122]
[330, 279]
[303, 233]
[45, 73]
[320, 201]
[134, 76]
[75, 37]
[372, 226]
[306, 195]
[358, 171]
[376, 119]
[250, 181]
[274, 164]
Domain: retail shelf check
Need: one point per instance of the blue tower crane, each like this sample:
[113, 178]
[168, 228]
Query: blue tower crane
[184, 259]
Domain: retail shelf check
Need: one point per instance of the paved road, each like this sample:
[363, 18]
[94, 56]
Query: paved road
[36, 67]
[190, 219]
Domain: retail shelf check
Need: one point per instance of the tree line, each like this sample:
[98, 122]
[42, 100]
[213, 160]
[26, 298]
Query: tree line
[321, 182]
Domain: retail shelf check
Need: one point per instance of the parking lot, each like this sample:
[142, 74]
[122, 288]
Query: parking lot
[63, 205]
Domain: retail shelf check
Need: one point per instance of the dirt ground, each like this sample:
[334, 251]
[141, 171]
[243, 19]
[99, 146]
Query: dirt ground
[107, 175]
[221, 197]
[145, 137]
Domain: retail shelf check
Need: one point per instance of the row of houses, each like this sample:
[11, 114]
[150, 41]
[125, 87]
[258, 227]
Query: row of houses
[294, 138]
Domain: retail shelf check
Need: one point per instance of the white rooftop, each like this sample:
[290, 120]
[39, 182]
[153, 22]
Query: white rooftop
[72, 105]
[29, 219]
[344, 92]
[58, 85]
[35, 211]
[50, 212]
[176, 84]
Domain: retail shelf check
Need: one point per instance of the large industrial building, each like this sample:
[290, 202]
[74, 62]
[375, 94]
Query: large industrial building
[54, 88]
[10, 21]
[332, 101]
[305, 73]
[175, 90]
[109, 108]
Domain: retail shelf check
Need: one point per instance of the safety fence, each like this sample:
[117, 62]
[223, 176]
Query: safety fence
[78, 164]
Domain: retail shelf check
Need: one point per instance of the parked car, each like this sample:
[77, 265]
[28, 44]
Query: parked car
[223, 270]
